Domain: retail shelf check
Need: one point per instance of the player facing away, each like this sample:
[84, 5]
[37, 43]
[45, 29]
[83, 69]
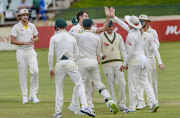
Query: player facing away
[81, 15]
[65, 47]
[24, 34]
[112, 45]
[90, 47]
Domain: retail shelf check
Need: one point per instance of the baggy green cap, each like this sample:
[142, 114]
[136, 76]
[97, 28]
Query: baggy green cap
[74, 20]
[111, 23]
[61, 23]
[87, 23]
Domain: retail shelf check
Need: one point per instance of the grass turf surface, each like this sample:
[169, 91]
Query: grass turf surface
[10, 94]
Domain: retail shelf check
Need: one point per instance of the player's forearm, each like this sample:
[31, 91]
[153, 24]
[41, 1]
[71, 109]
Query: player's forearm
[36, 38]
[122, 24]
[50, 62]
[16, 42]
[104, 27]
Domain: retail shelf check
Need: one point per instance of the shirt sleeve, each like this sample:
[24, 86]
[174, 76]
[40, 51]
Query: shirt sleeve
[122, 24]
[76, 51]
[71, 31]
[155, 50]
[14, 31]
[131, 50]
[93, 30]
[98, 50]
[35, 31]
[51, 53]
[122, 48]
[156, 39]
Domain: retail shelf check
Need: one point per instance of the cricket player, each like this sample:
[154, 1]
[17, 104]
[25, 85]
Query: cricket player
[152, 72]
[65, 47]
[90, 47]
[112, 45]
[24, 34]
[74, 106]
[136, 62]
[151, 45]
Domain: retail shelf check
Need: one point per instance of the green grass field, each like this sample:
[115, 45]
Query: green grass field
[10, 94]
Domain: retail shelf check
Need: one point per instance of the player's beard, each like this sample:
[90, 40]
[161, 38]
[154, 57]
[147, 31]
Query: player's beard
[144, 25]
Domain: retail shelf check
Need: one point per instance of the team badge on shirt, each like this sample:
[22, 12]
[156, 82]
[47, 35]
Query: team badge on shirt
[112, 49]
[106, 44]
[80, 30]
[129, 43]
[21, 29]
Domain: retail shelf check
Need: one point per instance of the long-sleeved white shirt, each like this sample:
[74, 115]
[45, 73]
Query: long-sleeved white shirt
[134, 45]
[149, 46]
[155, 36]
[89, 44]
[62, 44]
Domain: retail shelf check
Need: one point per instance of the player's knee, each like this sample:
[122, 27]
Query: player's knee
[79, 83]
[101, 89]
[35, 71]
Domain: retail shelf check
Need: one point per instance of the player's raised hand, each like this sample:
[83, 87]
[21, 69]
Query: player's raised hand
[112, 12]
[107, 11]
[161, 66]
[51, 74]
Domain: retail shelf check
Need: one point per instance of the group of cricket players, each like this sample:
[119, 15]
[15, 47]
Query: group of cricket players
[78, 55]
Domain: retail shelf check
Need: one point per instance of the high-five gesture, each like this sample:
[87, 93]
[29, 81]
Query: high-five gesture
[107, 11]
[112, 12]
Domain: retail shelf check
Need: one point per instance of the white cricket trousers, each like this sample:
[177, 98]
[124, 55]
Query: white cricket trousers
[90, 67]
[25, 58]
[63, 69]
[89, 94]
[152, 77]
[138, 77]
[113, 75]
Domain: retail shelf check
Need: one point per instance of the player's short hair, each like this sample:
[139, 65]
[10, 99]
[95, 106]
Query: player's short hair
[80, 13]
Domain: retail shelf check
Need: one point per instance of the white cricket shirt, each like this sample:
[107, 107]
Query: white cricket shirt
[62, 44]
[24, 35]
[89, 44]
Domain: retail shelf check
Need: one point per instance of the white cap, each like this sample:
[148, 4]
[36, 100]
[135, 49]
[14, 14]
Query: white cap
[144, 17]
[23, 11]
[133, 21]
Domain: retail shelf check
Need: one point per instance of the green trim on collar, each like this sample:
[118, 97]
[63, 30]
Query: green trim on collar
[109, 39]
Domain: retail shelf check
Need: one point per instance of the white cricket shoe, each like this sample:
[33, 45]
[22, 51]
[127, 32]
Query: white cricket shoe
[34, 99]
[123, 108]
[57, 115]
[25, 101]
[141, 106]
[88, 112]
[75, 110]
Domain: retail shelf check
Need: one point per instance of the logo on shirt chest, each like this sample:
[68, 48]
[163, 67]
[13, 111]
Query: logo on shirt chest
[129, 43]
[106, 44]
[21, 29]
[112, 49]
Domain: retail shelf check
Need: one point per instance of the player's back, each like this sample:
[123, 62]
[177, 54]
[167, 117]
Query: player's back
[88, 44]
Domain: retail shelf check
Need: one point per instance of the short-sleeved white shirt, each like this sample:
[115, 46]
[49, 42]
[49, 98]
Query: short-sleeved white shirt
[78, 29]
[24, 35]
